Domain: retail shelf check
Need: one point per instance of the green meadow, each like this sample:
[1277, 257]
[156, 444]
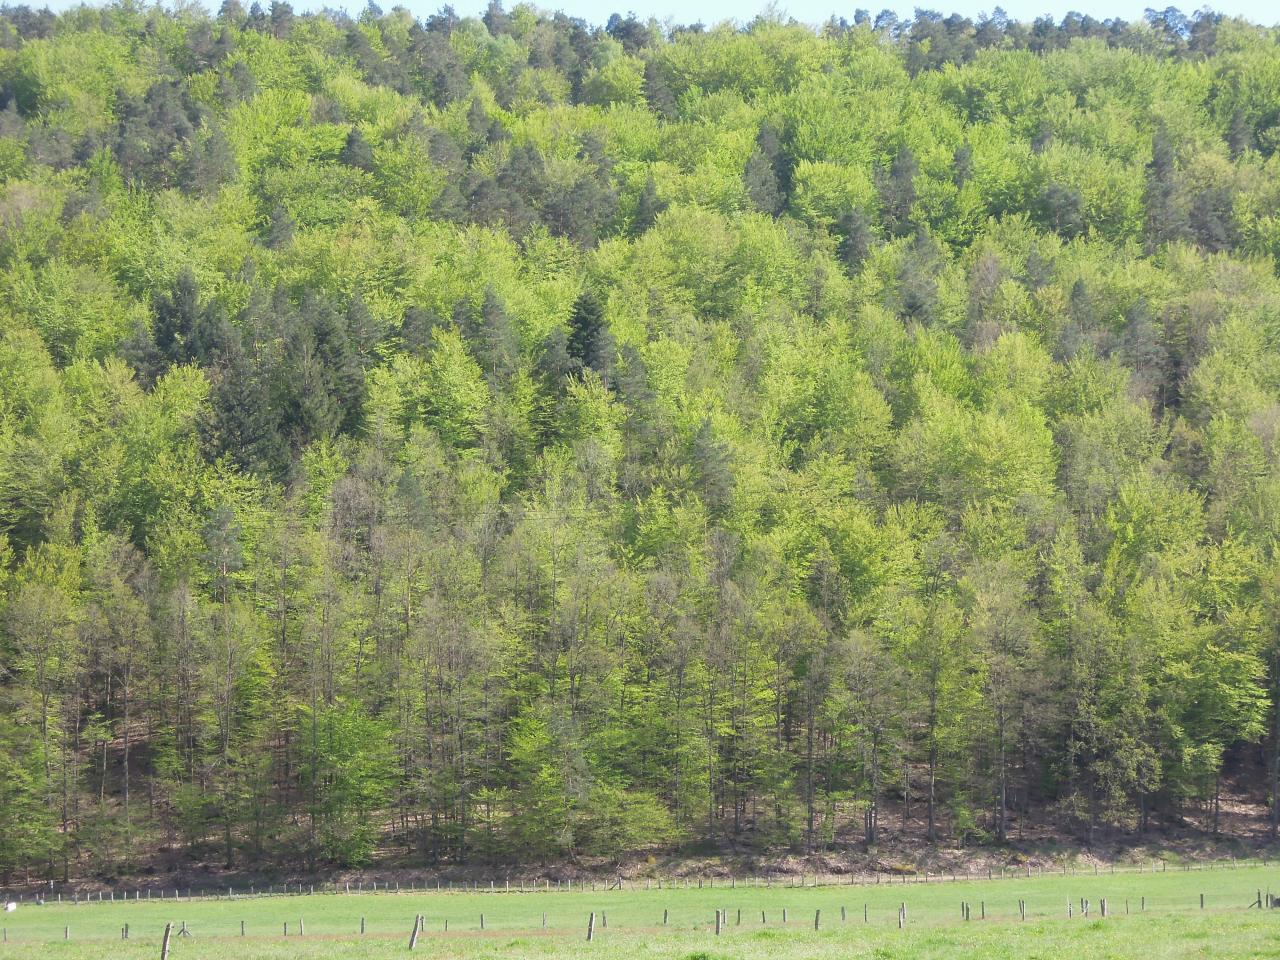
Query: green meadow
[1149, 915]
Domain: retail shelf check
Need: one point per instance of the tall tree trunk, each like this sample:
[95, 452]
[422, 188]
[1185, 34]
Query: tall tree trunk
[1002, 789]
[1217, 802]
[228, 713]
[931, 831]
[871, 830]
[128, 678]
[1275, 746]
[906, 786]
[808, 770]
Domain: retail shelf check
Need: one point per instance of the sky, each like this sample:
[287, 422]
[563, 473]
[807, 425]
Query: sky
[807, 11]
[818, 11]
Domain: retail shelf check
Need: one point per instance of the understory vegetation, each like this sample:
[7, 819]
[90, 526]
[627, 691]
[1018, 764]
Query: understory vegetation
[508, 438]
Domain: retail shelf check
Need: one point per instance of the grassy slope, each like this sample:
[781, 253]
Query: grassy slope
[1173, 925]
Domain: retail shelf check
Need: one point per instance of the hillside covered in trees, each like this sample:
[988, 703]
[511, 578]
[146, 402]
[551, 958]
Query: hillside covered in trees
[506, 439]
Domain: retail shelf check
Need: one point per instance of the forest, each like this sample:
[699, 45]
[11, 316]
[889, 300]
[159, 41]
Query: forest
[511, 439]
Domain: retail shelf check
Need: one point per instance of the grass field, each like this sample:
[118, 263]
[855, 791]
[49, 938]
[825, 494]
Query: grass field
[629, 924]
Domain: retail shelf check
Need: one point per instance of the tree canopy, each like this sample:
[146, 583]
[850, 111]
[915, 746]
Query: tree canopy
[511, 437]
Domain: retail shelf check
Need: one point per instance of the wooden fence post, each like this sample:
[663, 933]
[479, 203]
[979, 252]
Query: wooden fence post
[413, 937]
[164, 944]
[591, 927]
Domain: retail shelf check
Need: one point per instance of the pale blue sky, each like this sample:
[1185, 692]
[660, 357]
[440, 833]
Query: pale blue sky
[809, 11]
[817, 11]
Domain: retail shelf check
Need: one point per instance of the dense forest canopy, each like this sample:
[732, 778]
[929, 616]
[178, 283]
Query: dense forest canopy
[511, 438]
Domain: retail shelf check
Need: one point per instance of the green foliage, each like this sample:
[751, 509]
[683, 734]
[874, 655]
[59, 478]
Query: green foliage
[28, 825]
[349, 778]
[509, 438]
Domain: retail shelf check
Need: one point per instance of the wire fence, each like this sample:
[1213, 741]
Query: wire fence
[904, 875]
[725, 905]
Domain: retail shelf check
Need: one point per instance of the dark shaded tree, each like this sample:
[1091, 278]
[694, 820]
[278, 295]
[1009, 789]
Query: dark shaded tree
[856, 237]
[1166, 213]
[1060, 208]
[647, 208]
[658, 93]
[898, 193]
[356, 152]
